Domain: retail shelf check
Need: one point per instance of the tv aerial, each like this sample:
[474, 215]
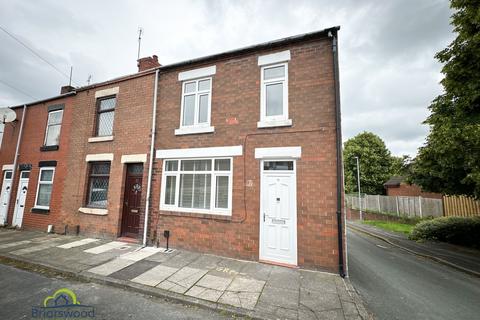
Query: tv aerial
[7, 115]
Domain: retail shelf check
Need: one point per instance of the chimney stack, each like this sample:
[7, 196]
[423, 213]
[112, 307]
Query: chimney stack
[66, 89]
[147, 63]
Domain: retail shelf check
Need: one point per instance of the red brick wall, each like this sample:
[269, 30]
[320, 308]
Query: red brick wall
[132, 125]
[236, 94]
[29, 153]
[411, 191]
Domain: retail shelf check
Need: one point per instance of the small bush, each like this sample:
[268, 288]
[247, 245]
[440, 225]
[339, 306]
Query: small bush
[457, 230]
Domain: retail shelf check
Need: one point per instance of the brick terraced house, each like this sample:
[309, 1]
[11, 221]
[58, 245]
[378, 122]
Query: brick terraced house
[236, 154]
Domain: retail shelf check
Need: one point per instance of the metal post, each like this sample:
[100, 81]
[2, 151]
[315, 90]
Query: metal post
[15, 162]
[420, 205]
[359, 192]
[396, 202]
[378, 202]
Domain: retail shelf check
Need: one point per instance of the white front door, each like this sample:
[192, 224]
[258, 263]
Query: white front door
[6, 190]
[21, 197]
[278, 212]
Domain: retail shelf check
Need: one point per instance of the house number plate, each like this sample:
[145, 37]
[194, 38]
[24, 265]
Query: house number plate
[278, 221]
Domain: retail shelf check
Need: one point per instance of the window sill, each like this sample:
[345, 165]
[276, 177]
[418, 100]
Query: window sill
[213, 216]
[194, 130]
[40, 210]
[49, 148]
[100, 139]
[94, 211]
[275, 123]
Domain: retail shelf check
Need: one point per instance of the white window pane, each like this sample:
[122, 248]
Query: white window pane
[190, 87]
[55, 117]
[274, 101]
[46, 175]
[272, 73]
[222, 164]
[188, 110]
[204, 85]
[203, 109]
[105, 123]
[170, 189]
[44, 194]
[221, 198]
[53, 135]
[201, 191]
[186, 190]
[171, 165]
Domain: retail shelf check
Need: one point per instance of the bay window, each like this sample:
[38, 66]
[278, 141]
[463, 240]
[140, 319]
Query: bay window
[197, 185]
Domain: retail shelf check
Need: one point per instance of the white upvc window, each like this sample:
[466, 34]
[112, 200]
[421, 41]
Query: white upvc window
[44, 187]
[197, 185]
[54, 124]
[274, 96]
[196, 103]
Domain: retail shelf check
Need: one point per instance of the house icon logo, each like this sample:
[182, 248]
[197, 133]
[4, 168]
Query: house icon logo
[63, 304]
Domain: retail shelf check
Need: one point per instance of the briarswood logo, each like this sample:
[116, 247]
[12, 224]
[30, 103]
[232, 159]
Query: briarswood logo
[63, 304]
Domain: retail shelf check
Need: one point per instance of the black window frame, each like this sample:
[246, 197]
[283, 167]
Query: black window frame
[97, 175]
[99, 112]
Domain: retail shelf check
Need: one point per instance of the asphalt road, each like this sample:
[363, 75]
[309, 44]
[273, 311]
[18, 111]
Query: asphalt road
[397, 285]
[20, 290]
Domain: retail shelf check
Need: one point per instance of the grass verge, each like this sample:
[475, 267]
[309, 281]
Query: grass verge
[391, 226]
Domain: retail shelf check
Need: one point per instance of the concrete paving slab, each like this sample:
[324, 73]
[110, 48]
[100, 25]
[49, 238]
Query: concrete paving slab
[318, 281]
[204, 293]
[182, 280]
[134, 270]
[106, 247]
[44, 245]
[155, 275]
[240, 284]
[163, 256]
[14, 244]
[78, 243]
[182, 259]
[111, 266]
[286, 278]
[141, 253]
[319, 301]
[258, 271]
[206, 262]
[246, 300]
[228, 268]
[280, 297]
[214, 282]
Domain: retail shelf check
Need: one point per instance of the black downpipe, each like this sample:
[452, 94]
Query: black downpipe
[341, 267]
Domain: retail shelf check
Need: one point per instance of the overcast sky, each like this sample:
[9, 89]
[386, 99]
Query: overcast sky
[388, 72]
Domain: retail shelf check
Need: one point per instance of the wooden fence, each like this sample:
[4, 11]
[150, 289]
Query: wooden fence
[460, 206]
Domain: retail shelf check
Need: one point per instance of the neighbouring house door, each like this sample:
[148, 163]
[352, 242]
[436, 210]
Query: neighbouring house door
[21, 197]
[278, 212]
[6, 190]
[132, 200]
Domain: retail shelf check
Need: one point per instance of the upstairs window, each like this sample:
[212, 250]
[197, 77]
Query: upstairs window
[44, 189]
[105, 115]
[196, 102]
[54, 124]
[274, 95]
[98, 180]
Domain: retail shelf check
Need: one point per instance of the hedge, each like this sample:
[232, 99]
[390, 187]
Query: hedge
[463, 231]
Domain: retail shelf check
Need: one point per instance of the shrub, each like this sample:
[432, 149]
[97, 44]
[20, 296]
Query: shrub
[457, 230]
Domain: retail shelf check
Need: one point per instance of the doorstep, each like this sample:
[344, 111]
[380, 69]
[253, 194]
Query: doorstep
[235, 286]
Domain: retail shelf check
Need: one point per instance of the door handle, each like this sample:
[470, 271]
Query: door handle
[264, 217]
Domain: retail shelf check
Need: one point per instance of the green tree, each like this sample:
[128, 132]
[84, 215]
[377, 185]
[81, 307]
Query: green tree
[376, 163]
[449, 162]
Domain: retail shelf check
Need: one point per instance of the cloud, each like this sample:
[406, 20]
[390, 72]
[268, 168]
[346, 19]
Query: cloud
[388, 73]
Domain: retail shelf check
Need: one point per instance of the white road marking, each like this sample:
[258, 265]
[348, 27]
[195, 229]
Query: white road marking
[379, 245]
[141, 254]
[77, 243]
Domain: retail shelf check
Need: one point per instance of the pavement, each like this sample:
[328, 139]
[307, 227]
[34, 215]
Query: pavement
[233, 286]
[21, 290]
[396, 284]
[461, 258]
